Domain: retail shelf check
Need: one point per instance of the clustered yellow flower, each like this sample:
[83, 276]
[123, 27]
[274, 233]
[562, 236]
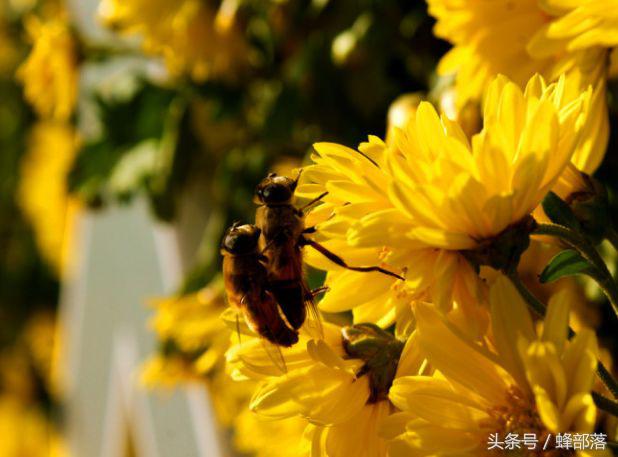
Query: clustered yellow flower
[430, 196]
[42, 193]
[521, 382]
[193, 36]
[49, 74]
[435, 204]
[193, 340]
[50, 77]
[333, 383]
[26, 426]
[524, 37]
[436, 364]
[26, 431]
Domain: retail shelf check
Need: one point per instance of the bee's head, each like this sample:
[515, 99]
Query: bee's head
[241, 239]
[275, 190]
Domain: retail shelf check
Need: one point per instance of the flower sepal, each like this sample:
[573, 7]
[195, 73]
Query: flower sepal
[591, 208]
[503, 251]
[380, 351]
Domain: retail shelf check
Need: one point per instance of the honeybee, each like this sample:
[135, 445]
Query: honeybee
[283, 237]
[247, 287]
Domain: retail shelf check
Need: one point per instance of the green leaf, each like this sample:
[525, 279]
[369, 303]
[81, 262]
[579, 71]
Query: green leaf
[134, 168]
[565, 263]
[559, 212]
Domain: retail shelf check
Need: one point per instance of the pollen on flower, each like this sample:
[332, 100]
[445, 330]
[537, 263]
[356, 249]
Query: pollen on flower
[401, 291]
[384, 253]
[519, 415]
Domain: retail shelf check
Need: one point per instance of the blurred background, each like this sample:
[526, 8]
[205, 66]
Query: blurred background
[132, 133]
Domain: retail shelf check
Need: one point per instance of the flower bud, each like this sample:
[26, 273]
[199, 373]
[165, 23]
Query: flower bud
[591, 208]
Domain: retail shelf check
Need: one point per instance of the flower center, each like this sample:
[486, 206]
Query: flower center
[519, 417]
[380, 351]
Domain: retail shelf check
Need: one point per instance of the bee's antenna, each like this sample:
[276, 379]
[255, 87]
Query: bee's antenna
[295, 183]
[313, 202]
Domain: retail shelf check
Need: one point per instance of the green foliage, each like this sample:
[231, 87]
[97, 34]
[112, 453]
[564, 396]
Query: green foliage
[564, 264]
[320, 70]
[559, 212]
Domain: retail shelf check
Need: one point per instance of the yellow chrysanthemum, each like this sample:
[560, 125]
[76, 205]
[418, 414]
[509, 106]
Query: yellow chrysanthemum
[581, 24]
[167, 371]
[192, 324]
[431, 194]
[191, 35]
[519, 39]
[43, 193]
[49, 74]
[343, 397]
[25, 431]
[532, 263]
[267, 438]
[521, 382]
[193, 340]
[43, 337]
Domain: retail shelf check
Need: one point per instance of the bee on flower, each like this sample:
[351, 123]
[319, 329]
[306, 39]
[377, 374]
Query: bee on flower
[521, 381]
[431, 202]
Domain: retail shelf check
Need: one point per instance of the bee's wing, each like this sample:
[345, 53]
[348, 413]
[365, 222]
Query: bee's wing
[274, 353]
[233, 321]
[241, 327]
[313, 323]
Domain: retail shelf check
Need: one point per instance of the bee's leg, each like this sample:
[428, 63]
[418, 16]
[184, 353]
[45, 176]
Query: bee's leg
[268, 246]
[304, 208]
[280, 237]
[238, 328]
[318, 291]
[339, 261]
[312, 229]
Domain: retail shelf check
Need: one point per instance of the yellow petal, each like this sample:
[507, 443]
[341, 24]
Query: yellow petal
[556, 323]
[435, 401]
[510, 321]
[456, 359]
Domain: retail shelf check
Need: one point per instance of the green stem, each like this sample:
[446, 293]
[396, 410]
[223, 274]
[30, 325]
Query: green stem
[534, 303]
[604, 403]
[607, 378]
[612, 237]
[540, 309]
[600, 272]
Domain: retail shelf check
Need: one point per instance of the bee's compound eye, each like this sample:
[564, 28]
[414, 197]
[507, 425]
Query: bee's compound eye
[276, 193]
[242, 240]
[266, 192]
[230, 241]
